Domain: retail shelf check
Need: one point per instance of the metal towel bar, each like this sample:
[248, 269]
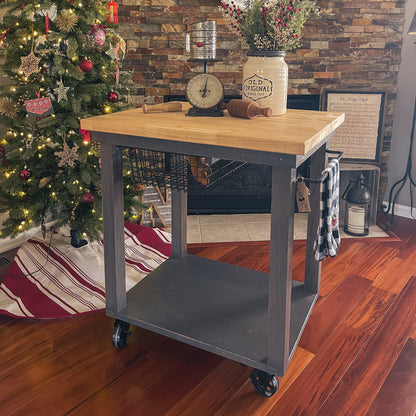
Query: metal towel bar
[324, 173]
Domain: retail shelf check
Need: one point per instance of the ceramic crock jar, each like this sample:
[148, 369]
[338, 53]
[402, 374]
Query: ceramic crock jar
[265, 80]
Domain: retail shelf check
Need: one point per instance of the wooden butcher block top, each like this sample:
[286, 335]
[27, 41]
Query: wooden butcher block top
[295, 133]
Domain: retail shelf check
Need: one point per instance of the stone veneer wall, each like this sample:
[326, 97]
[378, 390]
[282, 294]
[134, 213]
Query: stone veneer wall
[354, 44]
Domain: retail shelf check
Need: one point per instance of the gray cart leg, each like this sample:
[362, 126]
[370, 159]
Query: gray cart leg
[280, 275]
[179, 232]
[113, 205]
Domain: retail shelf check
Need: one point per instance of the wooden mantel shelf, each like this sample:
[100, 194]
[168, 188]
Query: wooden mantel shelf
[295, 133]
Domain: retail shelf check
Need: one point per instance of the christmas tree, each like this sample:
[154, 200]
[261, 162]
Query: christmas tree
[62, 58]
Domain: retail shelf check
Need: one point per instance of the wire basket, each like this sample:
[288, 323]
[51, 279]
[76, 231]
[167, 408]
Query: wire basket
[179, 172]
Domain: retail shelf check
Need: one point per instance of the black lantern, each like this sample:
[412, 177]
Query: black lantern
[357, 208]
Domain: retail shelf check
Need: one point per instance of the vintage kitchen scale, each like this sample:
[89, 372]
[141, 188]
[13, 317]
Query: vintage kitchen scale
[203, 91]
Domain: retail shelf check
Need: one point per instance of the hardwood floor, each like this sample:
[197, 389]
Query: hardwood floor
[357, 355]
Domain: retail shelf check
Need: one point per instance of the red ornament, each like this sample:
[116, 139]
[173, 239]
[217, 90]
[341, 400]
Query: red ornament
[112, 16]
[112, 97]
[88, 198]
[25, 174]
[200, 44]
[86, 65]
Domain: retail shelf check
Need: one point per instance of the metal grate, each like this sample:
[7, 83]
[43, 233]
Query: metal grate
[179, 172]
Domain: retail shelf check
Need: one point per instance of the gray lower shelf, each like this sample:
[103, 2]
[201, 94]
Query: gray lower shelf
[215, 306]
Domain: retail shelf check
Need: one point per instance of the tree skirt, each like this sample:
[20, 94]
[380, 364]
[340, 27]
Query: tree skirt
[70, 281]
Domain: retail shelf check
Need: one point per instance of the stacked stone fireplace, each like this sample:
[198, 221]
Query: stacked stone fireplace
[353, 45]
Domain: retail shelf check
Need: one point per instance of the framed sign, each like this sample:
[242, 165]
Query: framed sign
[360, 135]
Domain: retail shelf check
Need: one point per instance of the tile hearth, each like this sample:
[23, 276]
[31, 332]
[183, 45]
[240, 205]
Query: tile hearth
[247, 227]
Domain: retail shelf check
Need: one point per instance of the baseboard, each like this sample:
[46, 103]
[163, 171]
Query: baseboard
[402, 210]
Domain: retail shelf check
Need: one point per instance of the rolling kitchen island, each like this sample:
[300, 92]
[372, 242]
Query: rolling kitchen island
[248, 316]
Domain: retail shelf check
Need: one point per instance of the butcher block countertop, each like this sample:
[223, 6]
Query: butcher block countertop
[295, 133]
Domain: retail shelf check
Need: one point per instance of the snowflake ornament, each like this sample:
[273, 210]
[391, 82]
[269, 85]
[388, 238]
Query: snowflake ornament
[29, 64]
[68, 156]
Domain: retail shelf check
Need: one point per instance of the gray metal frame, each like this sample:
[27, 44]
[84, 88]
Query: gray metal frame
[248, 316]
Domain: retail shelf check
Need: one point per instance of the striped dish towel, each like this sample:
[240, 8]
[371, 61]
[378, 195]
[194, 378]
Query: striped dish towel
[328, 238]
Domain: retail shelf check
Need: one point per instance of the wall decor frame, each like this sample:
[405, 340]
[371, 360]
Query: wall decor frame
[361, 134]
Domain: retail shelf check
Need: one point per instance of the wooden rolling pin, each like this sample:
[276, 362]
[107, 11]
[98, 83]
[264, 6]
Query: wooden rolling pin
[246, 109]
[172, 106]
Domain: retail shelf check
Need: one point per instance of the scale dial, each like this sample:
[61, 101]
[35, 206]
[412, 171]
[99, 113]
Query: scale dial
[204, 91]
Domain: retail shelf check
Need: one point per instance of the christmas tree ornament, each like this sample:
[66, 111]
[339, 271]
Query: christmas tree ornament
[40, 41]
[52, 12]
[63, 46]
[25, 174]
[50, 15]
[112, 96]
[112, 15]
[61, 91]
[8, 108]
[86, 134]
[44, 181]
[86, 65]
[2, 36]
[97, 35]
[39, 107]
[112, 52]
[88, 198]
[122, 48]
[68, 156]
[66, 21]
[29, 64]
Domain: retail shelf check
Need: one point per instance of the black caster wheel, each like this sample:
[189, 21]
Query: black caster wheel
[120, 334]
[264, 383]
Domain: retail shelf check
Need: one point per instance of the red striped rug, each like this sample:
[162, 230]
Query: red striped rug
[70, 281]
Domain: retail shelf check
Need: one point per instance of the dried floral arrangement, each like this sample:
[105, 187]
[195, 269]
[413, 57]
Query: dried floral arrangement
[269, 24]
